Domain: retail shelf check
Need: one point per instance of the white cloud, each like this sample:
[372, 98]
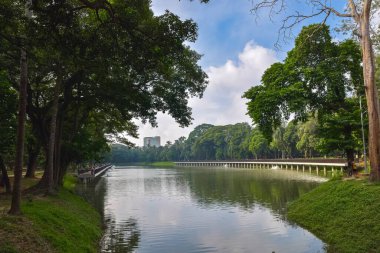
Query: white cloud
[222, 103]
[224, 27]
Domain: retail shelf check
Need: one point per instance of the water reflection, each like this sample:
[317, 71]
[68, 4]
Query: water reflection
[203, 210]
[271, 188]
[121, 237]
[94, 194]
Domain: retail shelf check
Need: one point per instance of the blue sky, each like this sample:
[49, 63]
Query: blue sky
[237, 47]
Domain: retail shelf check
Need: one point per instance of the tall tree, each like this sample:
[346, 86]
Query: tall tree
[8, 108]
[114, 67]
[316, 77]
[341, 130]
[16, 193]
[307, 137]
[113, 63]
[360, 12]
[259, 145]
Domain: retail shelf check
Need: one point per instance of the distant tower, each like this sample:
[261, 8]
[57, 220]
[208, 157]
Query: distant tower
[152, 141]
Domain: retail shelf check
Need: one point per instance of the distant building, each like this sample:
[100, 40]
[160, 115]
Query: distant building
[152, 141]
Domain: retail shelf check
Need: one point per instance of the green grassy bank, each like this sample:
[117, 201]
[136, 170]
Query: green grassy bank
[344, 214]
[153, 164]
[160, 164]
[61, 223]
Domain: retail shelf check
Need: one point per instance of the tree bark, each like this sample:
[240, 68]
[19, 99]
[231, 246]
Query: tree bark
[52, 137]
[371, 94]
[57, 158]
[4, 176]
[16, 194]
[32, 161]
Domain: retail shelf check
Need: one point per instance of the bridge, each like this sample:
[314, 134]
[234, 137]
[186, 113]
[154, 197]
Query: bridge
[89, 175]
[318, 165]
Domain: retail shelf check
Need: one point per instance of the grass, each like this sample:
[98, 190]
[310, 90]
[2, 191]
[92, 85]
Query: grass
[165, 164]
[344, 214]
[160, 164]
[61, 223]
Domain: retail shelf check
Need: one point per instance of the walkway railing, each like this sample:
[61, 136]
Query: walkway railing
[319, 165]
[91, 174]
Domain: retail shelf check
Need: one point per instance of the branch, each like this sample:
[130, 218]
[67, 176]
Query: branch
[354, 11]
[292, 20]
[330, 9]
[319, 7]
[366, 6]
[271, 4]
[97, 5]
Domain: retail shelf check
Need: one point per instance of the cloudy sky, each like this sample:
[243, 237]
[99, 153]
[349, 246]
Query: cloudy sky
[237, 47]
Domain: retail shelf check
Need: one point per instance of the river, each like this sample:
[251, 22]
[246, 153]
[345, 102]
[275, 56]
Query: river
[201, 210]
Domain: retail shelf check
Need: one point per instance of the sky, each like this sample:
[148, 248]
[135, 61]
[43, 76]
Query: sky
[237, 48]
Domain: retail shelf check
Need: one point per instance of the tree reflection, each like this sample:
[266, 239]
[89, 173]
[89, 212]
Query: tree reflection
[122, 237]
[94, 193]
[246, 187]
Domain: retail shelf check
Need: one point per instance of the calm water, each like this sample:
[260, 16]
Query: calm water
[202, 210]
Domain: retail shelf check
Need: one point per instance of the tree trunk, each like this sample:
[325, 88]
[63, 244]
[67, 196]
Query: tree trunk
[372, 97]
[4, 177]
[32, 161]
[57, 159]
[350, 160]
[16, 194]
[51, 147]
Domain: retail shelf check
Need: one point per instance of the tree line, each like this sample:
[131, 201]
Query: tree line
[241, 141]
[307, 106]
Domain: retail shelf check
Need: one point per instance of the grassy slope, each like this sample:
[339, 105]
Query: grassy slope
[344, 214]
[62, 223]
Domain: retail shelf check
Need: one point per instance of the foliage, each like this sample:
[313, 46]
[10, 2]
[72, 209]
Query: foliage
[105, 68]
[341, 130]
[308, 138]
[229, 142]
[8, 107]
[318, 77]
[258, 145]
[337, 213]
[205, 142]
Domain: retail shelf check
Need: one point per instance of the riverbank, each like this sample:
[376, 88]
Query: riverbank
[61, 223]
[160, 164]
[344, 214]
[166, 164]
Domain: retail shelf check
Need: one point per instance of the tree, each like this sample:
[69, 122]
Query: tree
[307, 137]
[360, 13]
[33, 148]
[193, 136]
[315, 78]
[20, 138]
[278, 142]
[291, 139]
[258, 145]
[341, 130]
[92, 69]
[8, 107]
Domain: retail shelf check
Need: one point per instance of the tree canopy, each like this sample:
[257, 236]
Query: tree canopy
[94, 67]
[317, 78]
